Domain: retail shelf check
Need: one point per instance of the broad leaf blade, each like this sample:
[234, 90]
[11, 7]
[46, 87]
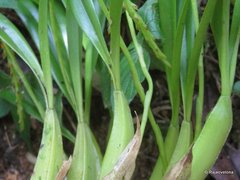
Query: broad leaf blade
[126, 77]
[150, 14]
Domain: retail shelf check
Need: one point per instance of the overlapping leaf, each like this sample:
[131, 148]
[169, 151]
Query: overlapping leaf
[14, 39]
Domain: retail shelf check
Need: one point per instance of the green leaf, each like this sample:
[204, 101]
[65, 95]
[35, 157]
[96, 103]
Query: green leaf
[196, 52]
[35, 88]
[168, 24]
[4, 79]
[87, 19]
[59, 105]
[60, 14]
[142, 27]
[86, 163]
[215, 132]
[8, 4]
[75, 59]
[91, 59]
[4, 108]
[50, 156]
[14, 39]
[234, 40]
[34, 108]
[9, 96]
[28, 13]
[115, 8]
[105, 84]
[126, 163]
[122, 131]
[236, 88]
[220, 28]
[150, 14]
[58, 27]
[45, 50]
[127, 83]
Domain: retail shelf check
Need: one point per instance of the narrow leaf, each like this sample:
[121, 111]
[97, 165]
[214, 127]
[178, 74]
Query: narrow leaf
[87, 19]
[45, 51]
[14, 39]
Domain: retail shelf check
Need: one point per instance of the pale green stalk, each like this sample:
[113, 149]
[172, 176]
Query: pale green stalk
[171, 47]
[50, 156]
[139, 88]
[44, 51]
[174, 88]
[234, 40]
[122, 129]
[61, 53]
[194, 57]
[148, 96]
[89, 58]
[115, 15]
[221, 115]
[75, 61]
[200, 98]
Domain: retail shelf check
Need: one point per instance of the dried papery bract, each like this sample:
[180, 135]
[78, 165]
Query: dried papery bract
[64, 169]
